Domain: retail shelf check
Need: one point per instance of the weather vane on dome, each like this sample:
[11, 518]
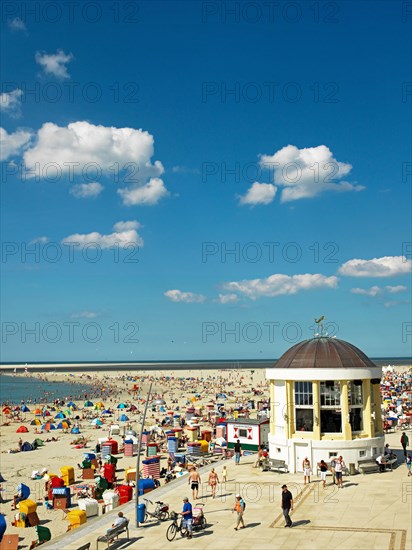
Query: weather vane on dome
[319, 322]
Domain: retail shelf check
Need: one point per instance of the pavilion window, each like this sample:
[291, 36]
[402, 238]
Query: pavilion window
[330, 407]
[303, 406]
[356, 406]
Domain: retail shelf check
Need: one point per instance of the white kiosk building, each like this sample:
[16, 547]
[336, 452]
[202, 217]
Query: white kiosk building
[324, 401]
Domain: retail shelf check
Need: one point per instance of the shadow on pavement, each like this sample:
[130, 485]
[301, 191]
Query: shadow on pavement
[301, 522]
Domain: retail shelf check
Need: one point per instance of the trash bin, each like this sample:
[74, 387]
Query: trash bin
[352, 469]
[141, 511]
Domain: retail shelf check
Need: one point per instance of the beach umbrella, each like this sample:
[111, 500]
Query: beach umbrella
[121, 406]
[124, 418]
[22, 429]
[88, 404]
[60, 415]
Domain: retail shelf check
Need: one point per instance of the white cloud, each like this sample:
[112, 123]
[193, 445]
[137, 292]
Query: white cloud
[306, 173]
[227, 298]
[188, 297]
[12, 145]
[16, 24]
[259, 193]
[82, 147]
[279, 284]
[387, 266]
[86, 190]
[125, 234]
[10, 102]
[148, 194]
[372, 291]
[396, 289]
[54, 63]
[40, 240]
[390, 303]
[84, 315]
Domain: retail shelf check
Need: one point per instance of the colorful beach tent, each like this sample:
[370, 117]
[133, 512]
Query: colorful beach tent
[71, 404]
[121, 406]
[26, 447]
[107, 411]
[75, 430]
[88, 404]
[35, 422]
[22, 430]
[38, 442]
[25, 409]
[97, 422]
[48, 426]
[60, 415]
[124, 418]
[23, 491]
[38, 412]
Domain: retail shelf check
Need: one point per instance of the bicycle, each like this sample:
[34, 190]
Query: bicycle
[161, 511]
[175, 527]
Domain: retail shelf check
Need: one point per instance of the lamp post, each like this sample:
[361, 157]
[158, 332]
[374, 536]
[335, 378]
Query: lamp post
[139, 448]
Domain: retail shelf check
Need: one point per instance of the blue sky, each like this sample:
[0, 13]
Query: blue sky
[283, 136]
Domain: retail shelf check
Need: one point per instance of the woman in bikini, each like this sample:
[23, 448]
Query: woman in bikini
[213, 481]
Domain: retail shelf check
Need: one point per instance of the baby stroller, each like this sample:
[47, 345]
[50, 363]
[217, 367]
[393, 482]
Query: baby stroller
[199, 520]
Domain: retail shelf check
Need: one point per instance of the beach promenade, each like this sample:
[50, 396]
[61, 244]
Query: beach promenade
[371, 512]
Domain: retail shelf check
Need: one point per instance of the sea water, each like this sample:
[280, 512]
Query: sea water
[14, 389]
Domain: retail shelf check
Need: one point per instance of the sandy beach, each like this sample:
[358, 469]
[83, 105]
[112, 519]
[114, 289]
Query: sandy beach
[178, 389]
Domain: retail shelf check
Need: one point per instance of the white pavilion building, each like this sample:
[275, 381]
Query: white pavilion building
[325, 401]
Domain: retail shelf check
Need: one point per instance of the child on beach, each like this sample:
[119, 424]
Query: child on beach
[224, 474]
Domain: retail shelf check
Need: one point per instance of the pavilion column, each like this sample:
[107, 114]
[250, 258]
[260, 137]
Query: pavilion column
[272, 407]
[316, 409]
[368, 426]
[378, 410]
[290, 409]
[346, 427]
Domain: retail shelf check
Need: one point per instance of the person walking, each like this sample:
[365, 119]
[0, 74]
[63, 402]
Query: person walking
[224, 474]
[323, 467]
[404, 442]
[213, 481]
[307, 470]
[187, 515]
[239, 507]
[338, 472]
[287, 505]
[238, 452]
[194, 481]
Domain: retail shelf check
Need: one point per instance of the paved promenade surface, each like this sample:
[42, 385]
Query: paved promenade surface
[372, 511]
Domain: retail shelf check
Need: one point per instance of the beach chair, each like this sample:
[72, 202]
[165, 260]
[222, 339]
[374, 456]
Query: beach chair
[43, 535]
